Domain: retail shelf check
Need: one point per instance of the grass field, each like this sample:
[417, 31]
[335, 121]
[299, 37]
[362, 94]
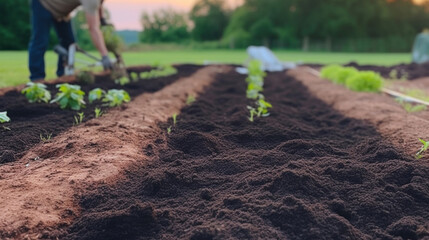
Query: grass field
[14, 71]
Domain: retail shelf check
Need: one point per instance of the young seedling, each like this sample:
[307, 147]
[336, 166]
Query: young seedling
[79, 118]
[422, 150]
[3, 117]
[70, 96]
[46, 138]
[98, 112]
[122, 81]
[190, 100]
[253, 113]
[169, 129]
[96, 94]
[174, 119]
[134, 76]
[115, 97]
[263, 107]
[36, 92]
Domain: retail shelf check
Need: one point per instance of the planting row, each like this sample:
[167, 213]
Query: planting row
[33, 122]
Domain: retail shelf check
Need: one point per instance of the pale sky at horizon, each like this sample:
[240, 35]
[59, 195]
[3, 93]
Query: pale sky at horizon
[126, 13]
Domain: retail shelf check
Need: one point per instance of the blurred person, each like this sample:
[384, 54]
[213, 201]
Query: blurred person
[56, 13]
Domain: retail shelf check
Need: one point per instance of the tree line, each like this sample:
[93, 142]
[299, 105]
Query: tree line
[342, 25]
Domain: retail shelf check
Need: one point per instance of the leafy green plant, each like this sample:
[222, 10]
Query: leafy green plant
[423, 149]
[191, 99]
[70, 96]
[36, 92]
[3, 117]
[116, 97]
[345, 73]
[330, 72]
[159, 71]
[255, 69]
[122, 80]
[263, 107]
[79, 118]
[85, 77]
[45, 138]
[98, 112]
[365, 81]
[96, 94]
[134, 76]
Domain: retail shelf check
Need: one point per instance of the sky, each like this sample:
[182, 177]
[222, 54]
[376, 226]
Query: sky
[126, 13]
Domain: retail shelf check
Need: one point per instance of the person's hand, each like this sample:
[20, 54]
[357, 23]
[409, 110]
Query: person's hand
[107, 64]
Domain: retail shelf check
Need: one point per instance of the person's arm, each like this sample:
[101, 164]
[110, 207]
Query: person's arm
[96, 35]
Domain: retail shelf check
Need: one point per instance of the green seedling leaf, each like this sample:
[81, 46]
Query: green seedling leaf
[79, 118]
[423, 149]
[169, 129]
[191, 99]
[96, 94]
[174, 119]
[70, 96]
[98, 112]
[36, 92]
[3, 117]
[45, 138]
[116, 97]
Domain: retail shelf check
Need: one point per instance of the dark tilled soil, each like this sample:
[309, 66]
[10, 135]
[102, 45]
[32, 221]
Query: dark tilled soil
[305, 172]
[29, 121]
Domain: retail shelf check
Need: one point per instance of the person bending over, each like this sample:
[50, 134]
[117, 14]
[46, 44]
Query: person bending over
[56, 13]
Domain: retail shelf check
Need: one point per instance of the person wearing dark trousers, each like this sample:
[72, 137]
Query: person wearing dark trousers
[56, 13]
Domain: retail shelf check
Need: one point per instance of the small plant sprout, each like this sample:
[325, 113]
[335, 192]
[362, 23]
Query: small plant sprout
[36, 92]
[263, 107]
[135, 76]
[190, 100]
[70, 96]
[169, 129]
[422, 150]
[78, 119]
[98, 112]
[95, 94]
[252, 112]
[122, 81]
[45, 138]
[174, 119]
[4, 118]
[116, 97]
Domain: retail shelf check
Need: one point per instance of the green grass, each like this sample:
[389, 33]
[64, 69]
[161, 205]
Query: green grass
[14, 71]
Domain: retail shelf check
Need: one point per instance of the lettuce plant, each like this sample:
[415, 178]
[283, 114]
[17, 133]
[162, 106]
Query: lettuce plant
[70, 96]
[345, 73]
[330, 72]
[3, 117]
[36, 92]
[365, 81]
[96, 94]
[116, 97]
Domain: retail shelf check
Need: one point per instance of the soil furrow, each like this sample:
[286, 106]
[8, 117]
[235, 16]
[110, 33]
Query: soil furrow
[31, 121]
[305, 172]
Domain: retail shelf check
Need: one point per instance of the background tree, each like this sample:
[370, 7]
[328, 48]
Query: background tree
[165, 25]
[15, 27]
[210, 20]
